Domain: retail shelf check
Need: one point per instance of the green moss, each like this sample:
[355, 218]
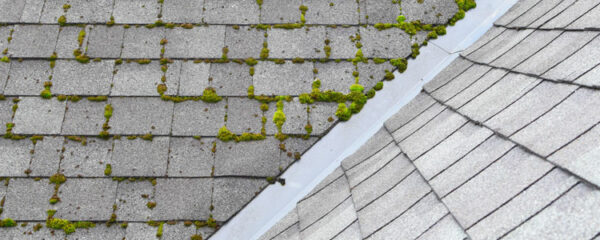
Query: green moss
[161, 88]
[225, 135]
[36, 138]
[400, 19]
[108, 111]
[62, 20]
[343, 113]
[210, 95]
[82, 59]
[144, 61]
[251, 61]
[58, 178]
[264, 53]
[108, 170]
[279, 116]
[415, 50]
[151, 205]
[196, 236]
[7, 222]
[46, 94]
[97, 99]
[5, 59]
[370, 94]
[81, 37]
[298, 60]
[159, 231]
[111, 22]
[378, 86]
[400, 63]
[357, 88]
[147, 137]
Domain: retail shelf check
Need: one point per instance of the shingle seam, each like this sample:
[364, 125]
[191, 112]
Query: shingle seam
[337, 234]
[469, 85]
[436, 222]
[595, 237]
[531, 21]
[573, 53]
[153, 177]
[41, 12]
[457, 75]
[536, 76]
[390, 132]
[420, 127]
[510, 199]
[441, 140]
[486, 43]
[459, 159]
[320, 189]
[585, 13]
[549, 19]
[514, 101]
[574, 139]
[524, 148]
[539, 211]
[524, 12]
[9, 23]
[402, 213]
[353, 204]
[382, 194]
[374, 173]
[593, 29]
[327, 213]
[284, 230]
[375, 153]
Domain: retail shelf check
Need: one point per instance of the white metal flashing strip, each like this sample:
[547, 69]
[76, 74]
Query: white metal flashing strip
[272, 204]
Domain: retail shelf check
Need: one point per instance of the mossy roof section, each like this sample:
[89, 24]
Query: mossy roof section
[125, 99]
[480, 155]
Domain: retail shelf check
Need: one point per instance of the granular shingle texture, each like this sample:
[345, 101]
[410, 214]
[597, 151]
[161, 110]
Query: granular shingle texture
[501, 144]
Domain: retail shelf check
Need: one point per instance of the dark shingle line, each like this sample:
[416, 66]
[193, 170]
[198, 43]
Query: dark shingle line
[384, 193]
[585, 13]
[321, 189]
[524, 148]
[199, 24]
[390, 132]
[375, 153]
[558, 14]
[595, 237]
[127, 177]
[510, 199]
[526, 11]
[442, 140]
[574, 139]
[419, 128]
[573, 83]
[373, 174]
[557, 5]
[327, 213]
[466, 87]
[402, 213]
[337, 234]
[287, 228]
[459, 159]
[460, 74]
[486, 43]
[436, 222]
[539, 211]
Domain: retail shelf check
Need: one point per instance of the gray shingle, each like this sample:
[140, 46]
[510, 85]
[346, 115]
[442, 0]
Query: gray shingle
[409, 111]
[378, 141]
[292, 233]
[572, 216]
[4, 68]
[555, 52]
[371, 73]
[579, 156]
[499, 45]
[47, 156]
[532, 105]
[462, 81]
[470, 165]
[429, 12]
[472, 91]
[525, 48]
[182, 198]
[331, 224]
[447, 228]
[14, 157]
[32, 11]
[244, 42]
[577, 64]
[136, 11]
[485, 39]
[286, 222]
[31, 109]
[564, 123]
[335, 175]
[280, 11]
[389, 43]
[516, 10]
[140, 231]
[193, 118]
[132, 198]
[89, 160]
[283, 79]
[133, 79]
[381, 181]
[296, 118]
[52, 11]
[104, 41]
[392, 204]
[86, 199]
[243, 115]
[199, 42]
[340, 42]
[587, 20]
[549, 15]
[33, 41]
[141, 42]
[11, 10]
[534, 13]
[495, 185]
[311, 209]
[372, 165]
[189, 157]
[432, 133]
[336, 76]
[331, 12]
[181, 11]
[140, 157]
[141, 116]
[419, 121]
[523, 206]
[88, 11]
[100, 231]
[455, 68]
[230, 79]
[496, 98]
[351, 232]
[231, 12]
[294, 145]
[415, 220]
[570, 14]
[250, 158]
[382, 11]
[27, 199]
[194, 78]
[84, 118]
[230, 194]
[27, 77]
[5, 113]
[177, 231]
[292, 43]
[451, 149]
[591, 78]
[73, 78]
[68, 40]
[322, 116]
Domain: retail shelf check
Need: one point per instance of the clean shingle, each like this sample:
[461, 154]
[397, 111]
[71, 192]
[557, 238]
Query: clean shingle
[86, 199]
[249, 158]
[136, 11]
[104, 41]
[230, 194]
[32, 109]
[331, 12]
[231, 12]
[73, 78]
[389, 43]
[198, 42]
[27, 77]
[88, 161]
[139, 157]
[141, 116]
[33, 41]
[311, 209]
[197, 118]
[286, 43]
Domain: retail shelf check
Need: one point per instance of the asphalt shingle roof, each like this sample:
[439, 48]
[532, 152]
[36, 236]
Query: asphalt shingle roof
[502, 143]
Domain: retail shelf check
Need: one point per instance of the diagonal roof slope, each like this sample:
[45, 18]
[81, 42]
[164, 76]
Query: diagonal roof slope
[503, 143]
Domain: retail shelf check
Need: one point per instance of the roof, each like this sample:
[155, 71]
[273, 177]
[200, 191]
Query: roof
[151, 115]
[500, 144]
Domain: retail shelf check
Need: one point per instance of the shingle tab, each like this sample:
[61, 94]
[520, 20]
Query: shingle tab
[140, 157]
[194, 78]
[331, 224]
[136, 11]
[231, 12]
[285, 43]
[390, 43]
[198, 42]
[377, 142]
[141, 116]
[14, 157]
[549, 15]
[132, 199]
[534, 13]
[483, 40]
[244, 42]
[84, 118]
[564, 123]
[105, 41]
[499, 45]
[577, 64]
[570, 14]
[47, 156]
[429, 12]
[231, 194]
[73, 78]
[472, 91]
[382, 11]
[331, 12]
[530, 45]
[193, 118]
[341, 43]
[455, 68]
[89, 160]
[27, 199]
[579, 156]
[409, 111]
[283, 79]
[461, 82]
[372, 165]
[336, 76]
[312, 209]
[250, 158]
[230, 79]
[280, 11]
[586, 21]
[31, 109]
[189, 157]
[516, 10]
[27, 77]
[495, 185]
[447, 228]
[33, 41]
[173, 198]
[86, 199]
[286, 222]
